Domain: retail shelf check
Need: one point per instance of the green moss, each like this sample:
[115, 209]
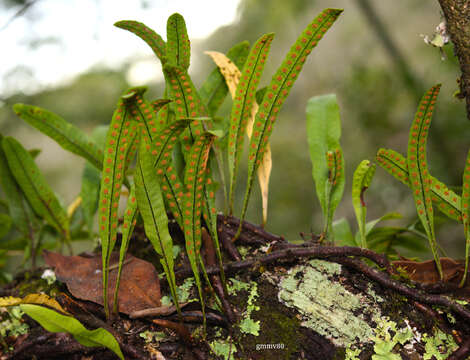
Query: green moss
[327, 307]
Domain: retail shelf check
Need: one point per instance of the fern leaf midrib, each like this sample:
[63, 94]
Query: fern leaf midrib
[419, 165]
[164, 255]
[245, 95]
[177, 42]
[113, 189]
[268, 115]
[175, 196]
[193, 206]
[185, 105]
[144, 121]
[49, 210]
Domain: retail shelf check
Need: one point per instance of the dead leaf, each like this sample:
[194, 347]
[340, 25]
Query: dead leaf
[426, 272]
[232, 75]
[139, 289]
[37, 299]
[228, 69]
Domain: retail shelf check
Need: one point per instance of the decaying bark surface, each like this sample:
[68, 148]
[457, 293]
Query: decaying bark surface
[457, 15]
[288, 301]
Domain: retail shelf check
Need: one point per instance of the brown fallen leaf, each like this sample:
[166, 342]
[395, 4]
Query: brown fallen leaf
[426, 273]
[140, 285]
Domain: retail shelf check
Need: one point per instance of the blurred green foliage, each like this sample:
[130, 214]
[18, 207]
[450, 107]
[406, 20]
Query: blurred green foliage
[376, 107]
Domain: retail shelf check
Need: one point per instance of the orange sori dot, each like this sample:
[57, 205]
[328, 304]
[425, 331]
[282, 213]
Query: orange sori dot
[106, 180]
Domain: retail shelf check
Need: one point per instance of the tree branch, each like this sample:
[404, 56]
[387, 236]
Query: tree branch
[457, 15]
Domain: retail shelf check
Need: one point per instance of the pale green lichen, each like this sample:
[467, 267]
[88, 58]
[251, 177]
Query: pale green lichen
[352, 354]
[386, 337]
[439, 346]
[183, 292]
[247, 324]
[12, 324]
[224, 348]
[153, 336]
[327, 307]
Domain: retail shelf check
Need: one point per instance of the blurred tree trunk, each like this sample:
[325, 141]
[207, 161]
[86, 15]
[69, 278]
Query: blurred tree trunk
[457, 15]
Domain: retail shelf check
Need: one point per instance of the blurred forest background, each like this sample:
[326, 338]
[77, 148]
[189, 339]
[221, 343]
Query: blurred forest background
[374, 58]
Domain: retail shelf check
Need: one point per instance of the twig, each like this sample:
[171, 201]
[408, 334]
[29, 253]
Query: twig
[158, 311]
[320, 252]
[210, 258]
[411, 293]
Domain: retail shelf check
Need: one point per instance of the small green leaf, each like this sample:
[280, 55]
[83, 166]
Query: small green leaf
[420, 180]
[33, 184]
[466, 214]
[5, 224]
[55, 322]
[152, 39]
[214, 89]
[323, 135]
[152, 208]
[361, 182]
[334, 187]
[65, 134]
[342, 233]
[445, 199]
[178, 49]
[243, 104]
[278, 90]
[19, 210]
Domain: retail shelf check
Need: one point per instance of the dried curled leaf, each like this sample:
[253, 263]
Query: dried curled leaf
[140, 285]
[278, 90]
[36, 299]
[214, 89]
[228, 69]
[232, 76]
[243, 102]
